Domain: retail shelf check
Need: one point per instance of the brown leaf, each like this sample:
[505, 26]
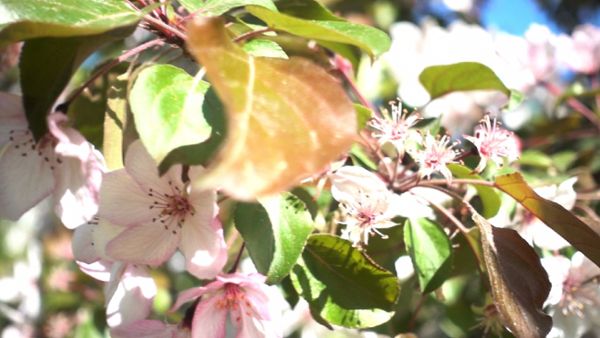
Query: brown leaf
[571, 228]
[287, 119]
[518, 282]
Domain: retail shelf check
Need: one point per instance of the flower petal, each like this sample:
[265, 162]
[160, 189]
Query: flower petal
[203, 246]
[24, 181]
[123, 202]
[189, 295]
[132, 298]
[144, 170]
[144, 328]
[209, 319]
[150, 244]
[12, 116]
[100, 270]
[90, 240]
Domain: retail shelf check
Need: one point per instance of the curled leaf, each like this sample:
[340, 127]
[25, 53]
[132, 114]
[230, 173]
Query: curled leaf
[287, 119]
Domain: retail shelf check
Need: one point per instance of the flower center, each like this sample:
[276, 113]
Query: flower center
[174, 207]
[22, 141]
[233, 297]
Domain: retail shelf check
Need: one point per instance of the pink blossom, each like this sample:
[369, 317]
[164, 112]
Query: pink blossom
[494, 143]
[61, 163]
[540, 51]
[394, 129]
[244, 299]
[435, 155]
[575, 294]
[581, 50]
[161, 214]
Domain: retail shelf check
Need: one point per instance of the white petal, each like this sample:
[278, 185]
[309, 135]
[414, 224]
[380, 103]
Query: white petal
[348, 181]
[90, 240]
[24, 181]
[122, 200]
[99, 270]
[203, 246]
[209, 320]
[150, 244]
[12, 116]
[188, 295]
[132, 298]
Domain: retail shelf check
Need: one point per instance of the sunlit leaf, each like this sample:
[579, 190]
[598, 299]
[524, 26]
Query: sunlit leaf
[115, 121]
[166, 104]
[462, 76]
[264, 48]
[275, 232]
[580, 235]
[430, 251]
[218, 7]
[363, 115]
[489, 198]
[21, 20]
[518, 282]
[342, 286]
[288, 118]
[307, 9]
[369, 39]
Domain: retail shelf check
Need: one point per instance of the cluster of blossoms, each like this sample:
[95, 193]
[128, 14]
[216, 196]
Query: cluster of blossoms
[127, 221]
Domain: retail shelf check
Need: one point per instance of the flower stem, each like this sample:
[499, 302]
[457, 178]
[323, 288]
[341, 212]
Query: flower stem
[576, 105]
[461, 181]
[237, 258]
[106, 68]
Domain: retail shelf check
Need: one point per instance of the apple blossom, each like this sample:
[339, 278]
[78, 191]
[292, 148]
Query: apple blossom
[161, 214]
[494, 143]
[394, 129]
[581, 51]
[149, 329]
[435, 155]
[242, 298]
[575, 294]
[541, 50]
[61, 163]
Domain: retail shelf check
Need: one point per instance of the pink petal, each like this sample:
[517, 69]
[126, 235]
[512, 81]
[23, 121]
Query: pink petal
[209, 320]
[12, 117]
[70, 142]
[77, 190]
[189, 295]
[144, 170]
[203, 246]
[144, 328]
[150, 244]
[123, 202]
[132, 297]
[90, 240]
[24, 181]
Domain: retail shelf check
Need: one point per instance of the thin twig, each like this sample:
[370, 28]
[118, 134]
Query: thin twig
[251, 34]
[108, 66]
[237, 258]
[164, 26]
[461, 181]
[576, 105]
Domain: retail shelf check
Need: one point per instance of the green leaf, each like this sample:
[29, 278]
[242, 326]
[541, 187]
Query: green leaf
[307, 9]
[489, 197]
[369, 39]
[363, 115]
[275, 232]
[515, 99]
[218, 7]
[191, 5]
[518, 282]
[462, 76]
[342, 286]
[166, 104]
[264, 48]
[115, 121]
[430, 251]
[46, 67]
[554, 215]
[201, 153]
[535, 158]
[269, 122]
[22, 20]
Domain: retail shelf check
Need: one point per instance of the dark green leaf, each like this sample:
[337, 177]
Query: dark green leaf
[166, 104]
[489, 197]
[462, 76]
[369, 39]
[554, 215]
[518, 282]
[430, 251]
[342, 286]
[275, 232]
[46, 67]
[22, 20]
[201, 153]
